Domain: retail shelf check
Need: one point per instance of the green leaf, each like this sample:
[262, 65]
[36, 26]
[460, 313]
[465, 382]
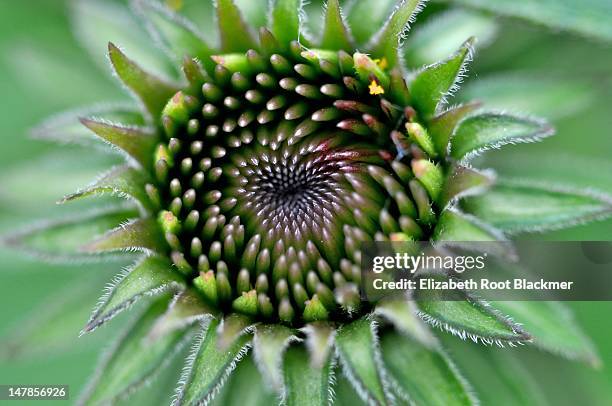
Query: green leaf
[442, 126]
[456, 226]
[587, 17]
[584, 170]
[153, 92]
[424, 375]
[497, 373]
[319, 341]
[439, 36]
[151, 276]
[458, 313]
[67, 128]
[549, 96]
[373, 11]
[96, 23]
[306, 385]
[186, 308]
[385, 43]
[518, 206]
[336, 34]
[234, 31]
[553, 328]
[137, 142]
[160, 389]
[135, 358]
[123, 181]
[245, 375]
[177, 35]
[232, 326]
[486, 131]
[357, 349]
[403, 315]
[62, 240]
[208, 368]
[464, 181]
[285, 20]
[436, 82]
[269, 344]
[140, 234]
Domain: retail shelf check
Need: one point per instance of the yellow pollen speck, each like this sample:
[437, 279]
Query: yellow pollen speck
[375, 88]
[382, 63]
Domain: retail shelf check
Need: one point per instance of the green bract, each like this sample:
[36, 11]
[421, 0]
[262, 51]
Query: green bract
[255, 177]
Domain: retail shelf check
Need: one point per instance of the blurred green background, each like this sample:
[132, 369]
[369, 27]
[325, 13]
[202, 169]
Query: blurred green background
[45, 70]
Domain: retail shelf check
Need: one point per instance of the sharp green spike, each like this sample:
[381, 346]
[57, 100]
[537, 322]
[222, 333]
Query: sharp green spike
[422, 201]
[433, 84]
[243, 281]
[332, 90]
[317, 55]
[420, 135]
[264, 306]
[207, 286]
[263, 261]
[215, 251]
[151, 276]
[358, 351]
[180, 107]
[281, 289]
[285, 20]
[314, 310]
[246, 303]
[234, 32]
[285, 310]
[300, 295]
[456, 226]
[194, 73]
[387, 222]
[269, 44]
[296, 111]
[123, 181]
[326, 296]
[222, 75]
[209, 366]
[261, 284]
[137, 142]
[306, 71]
[176, 205]
[385, 43]
[178, 259]
[266, 80]
[224, 287]
[138, 234]
[152, 91]
[464, 181]
[336, 34]
[441, 127]
[430, 175]
[236, 62]
[256, 61]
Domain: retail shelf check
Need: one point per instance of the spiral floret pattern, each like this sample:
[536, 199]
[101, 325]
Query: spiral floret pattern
[275, 170]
